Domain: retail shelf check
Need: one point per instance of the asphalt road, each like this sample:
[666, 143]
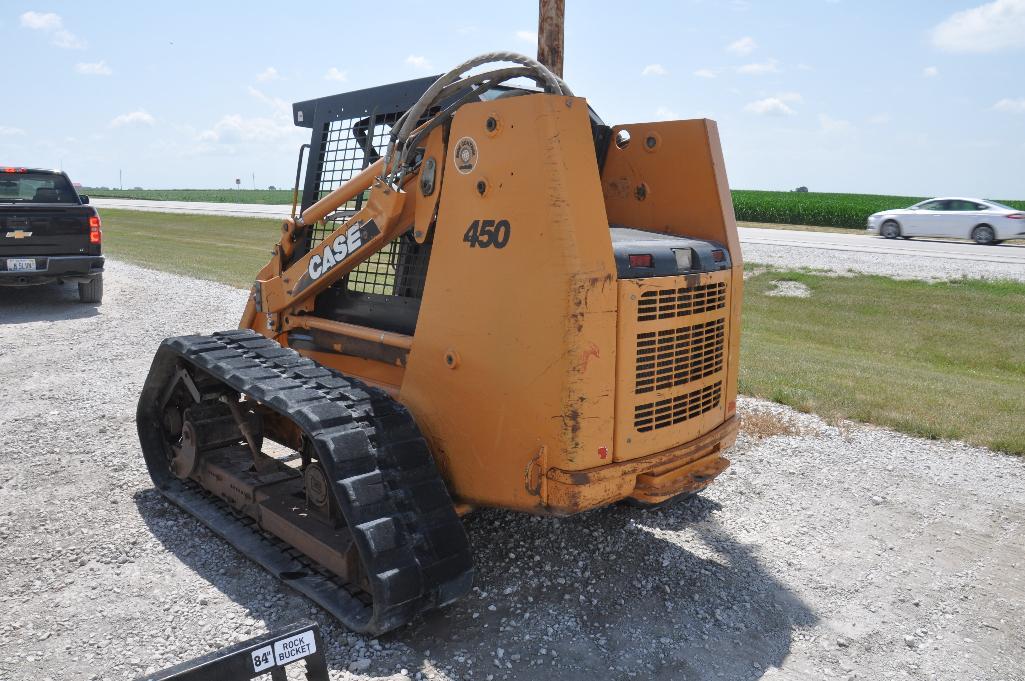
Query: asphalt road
[855, 252]
[242, 210]
[860, 242]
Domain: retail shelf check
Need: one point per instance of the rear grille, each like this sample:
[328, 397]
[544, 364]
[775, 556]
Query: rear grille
[674, 357]
[680, 302]
[677, 409]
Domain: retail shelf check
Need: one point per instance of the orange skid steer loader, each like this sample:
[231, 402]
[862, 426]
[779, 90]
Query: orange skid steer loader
[489, 298]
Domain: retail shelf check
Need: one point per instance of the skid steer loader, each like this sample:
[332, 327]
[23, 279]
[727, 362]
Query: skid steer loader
[489, 298]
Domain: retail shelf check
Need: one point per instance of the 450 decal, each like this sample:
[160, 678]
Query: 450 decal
[486, 233]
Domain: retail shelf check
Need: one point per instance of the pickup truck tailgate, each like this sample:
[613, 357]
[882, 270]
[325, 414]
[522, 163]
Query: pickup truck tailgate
[44, 230]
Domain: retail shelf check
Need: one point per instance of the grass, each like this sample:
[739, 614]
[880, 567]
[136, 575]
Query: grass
[940, 360]
[225, 249]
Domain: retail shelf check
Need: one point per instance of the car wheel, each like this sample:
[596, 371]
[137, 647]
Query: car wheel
[984, 235]
[91, 292]
[890, 230]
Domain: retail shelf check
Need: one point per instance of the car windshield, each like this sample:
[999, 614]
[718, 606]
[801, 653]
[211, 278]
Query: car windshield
[29, 187]
[1000, 205]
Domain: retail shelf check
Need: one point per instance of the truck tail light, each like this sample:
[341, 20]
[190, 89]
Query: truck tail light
[95, 234]
[642, 261]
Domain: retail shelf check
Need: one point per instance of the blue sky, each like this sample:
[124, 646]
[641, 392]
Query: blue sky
[921, 97]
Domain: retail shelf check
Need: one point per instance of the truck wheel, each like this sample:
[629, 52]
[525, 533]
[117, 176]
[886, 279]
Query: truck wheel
[91, 292]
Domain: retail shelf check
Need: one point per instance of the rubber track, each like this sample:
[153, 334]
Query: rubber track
[412, 543]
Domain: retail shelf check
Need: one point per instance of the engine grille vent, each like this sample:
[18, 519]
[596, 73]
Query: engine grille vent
[674, 357]
[680, 302]
[677, 409]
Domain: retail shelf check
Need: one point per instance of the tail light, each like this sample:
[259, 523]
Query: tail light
[1016, 216]
[95, 234]
[642, 261]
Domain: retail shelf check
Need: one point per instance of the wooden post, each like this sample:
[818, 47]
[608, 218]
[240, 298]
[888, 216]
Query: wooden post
[551, 15]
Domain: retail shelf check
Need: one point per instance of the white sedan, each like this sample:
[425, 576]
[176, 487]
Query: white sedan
[985, 222]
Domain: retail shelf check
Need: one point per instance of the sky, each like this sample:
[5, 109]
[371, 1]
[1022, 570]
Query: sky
[917, 97]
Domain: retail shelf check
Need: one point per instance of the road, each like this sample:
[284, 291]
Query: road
[861, 242]
[844, 253]
[242, 210]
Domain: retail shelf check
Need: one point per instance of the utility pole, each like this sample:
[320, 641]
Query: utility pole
[120, 180]
[551, 18]
[254, 181]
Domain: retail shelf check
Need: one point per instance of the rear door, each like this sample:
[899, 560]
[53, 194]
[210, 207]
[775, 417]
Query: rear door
[41, 214]
[964, 215]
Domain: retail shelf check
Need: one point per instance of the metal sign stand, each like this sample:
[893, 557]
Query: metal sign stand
[267, 654]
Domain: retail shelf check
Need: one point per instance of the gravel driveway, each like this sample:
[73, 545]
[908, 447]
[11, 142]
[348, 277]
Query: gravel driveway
[825, 551]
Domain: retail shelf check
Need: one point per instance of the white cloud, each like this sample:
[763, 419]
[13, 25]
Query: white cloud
[770, 106]
[53, 25]
[759, 68]
[418, 62]
[743, 47]
[829, 124]
[930, 72]
[6, 131]
[280, 107]
[1011, 105]
[654, 70]
[334, 73]
[527, 37]
[236, 129]
[40, 21]
[705, 73]
[99, 68]
[269, 73]
[67, 40]
[991, 27]
[139, 117]
[664, 113]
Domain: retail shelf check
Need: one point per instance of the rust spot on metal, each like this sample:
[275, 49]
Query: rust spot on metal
[585, 356]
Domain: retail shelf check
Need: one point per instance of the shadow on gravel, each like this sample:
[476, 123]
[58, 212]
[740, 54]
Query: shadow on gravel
[604, 595]
[49, 302]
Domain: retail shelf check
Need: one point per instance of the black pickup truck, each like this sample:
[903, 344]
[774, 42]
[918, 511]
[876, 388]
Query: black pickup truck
[48, 233]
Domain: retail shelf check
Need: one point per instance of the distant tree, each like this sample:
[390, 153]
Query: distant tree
[802, 189]
[272, 188]
[136, 188]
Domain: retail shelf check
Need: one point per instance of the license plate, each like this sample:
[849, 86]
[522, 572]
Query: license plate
[21, 264]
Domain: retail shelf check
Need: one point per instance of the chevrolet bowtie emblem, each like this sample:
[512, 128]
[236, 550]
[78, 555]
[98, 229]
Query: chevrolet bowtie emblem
[18, 234]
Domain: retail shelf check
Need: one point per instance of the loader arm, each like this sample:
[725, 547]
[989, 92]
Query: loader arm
[387, 213]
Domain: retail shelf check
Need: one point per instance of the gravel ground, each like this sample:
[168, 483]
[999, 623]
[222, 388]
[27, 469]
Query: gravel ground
[827, 550]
